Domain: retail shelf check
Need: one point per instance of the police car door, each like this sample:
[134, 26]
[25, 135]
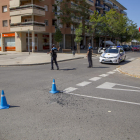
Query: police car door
[121, 54]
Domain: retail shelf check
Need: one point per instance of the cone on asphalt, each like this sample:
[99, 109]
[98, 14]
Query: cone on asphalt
[3, 104]
[54, 90]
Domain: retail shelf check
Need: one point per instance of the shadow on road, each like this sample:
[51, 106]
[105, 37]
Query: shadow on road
[13, 106]
[100, 67]
[68, 69]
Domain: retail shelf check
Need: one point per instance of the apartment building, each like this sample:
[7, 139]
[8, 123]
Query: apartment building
[30, 24]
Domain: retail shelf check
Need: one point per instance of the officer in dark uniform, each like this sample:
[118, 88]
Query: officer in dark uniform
[89, 55]
[54, 56]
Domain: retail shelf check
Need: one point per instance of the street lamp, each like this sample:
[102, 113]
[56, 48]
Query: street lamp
[28, 42]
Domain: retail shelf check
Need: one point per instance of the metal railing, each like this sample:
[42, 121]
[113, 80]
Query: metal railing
[30, 23]
[99, 5]
[108, 2]
[33, 6]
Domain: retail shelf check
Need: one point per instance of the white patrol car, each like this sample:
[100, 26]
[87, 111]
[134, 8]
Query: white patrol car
[113, 55]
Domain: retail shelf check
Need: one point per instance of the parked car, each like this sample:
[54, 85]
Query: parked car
[113, 55]
[125, 47]
[135, 48]
[130, 47]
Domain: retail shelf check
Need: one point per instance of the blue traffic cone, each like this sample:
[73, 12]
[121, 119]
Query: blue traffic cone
[3, 104]
[54, 90]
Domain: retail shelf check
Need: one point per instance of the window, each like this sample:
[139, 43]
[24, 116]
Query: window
[46, 7]
[4, 9]
[46, 22]
[5, 24]
[54, 22]
[28, 19]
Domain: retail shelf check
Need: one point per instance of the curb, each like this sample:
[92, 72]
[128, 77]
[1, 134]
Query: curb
[41, 63]
[132, 75]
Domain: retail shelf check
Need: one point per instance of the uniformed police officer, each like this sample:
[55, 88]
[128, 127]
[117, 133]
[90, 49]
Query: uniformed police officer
[54, 56]
[89, 55]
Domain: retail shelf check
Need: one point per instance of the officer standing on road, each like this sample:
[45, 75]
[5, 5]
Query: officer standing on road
[54, 56]
[89, 55]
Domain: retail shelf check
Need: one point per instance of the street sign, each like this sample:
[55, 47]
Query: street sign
[139, 29]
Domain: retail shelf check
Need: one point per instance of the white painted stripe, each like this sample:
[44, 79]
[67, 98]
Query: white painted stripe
[111, 72]
[131, 59]
[104, 75]
[2, 95]
[95, 78]
[115, 70]
[106, 99]
[108, 85]
[83, 83]
[70, 89]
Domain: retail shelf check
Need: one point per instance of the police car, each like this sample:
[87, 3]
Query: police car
[113, 54]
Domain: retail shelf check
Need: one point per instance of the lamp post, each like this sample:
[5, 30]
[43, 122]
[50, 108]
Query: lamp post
[28, 42]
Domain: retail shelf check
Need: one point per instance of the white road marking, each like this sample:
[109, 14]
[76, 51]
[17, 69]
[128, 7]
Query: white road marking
[104, 75]
[114, 70]
[70, 89]
[106, 99]
[111, 72]
[95, 78]
[83, 83]
[131, 59]
[108, 85]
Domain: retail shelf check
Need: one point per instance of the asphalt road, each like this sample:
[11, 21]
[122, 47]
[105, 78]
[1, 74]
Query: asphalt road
[96, 105]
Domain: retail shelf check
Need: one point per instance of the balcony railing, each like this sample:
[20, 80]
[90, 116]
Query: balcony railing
[27, 6]
[90, 2]
[108, 2]
[116, 7]
[30, 23]
[123, 12]
[27, 10]
[99, 6]
[106, 9]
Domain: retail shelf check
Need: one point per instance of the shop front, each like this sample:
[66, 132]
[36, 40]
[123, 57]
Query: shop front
[9, 41]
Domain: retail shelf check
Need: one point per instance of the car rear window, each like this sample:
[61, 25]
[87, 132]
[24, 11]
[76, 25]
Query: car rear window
[112, 51]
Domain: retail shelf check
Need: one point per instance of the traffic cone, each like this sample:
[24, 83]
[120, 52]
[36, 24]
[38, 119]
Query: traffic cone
[54, 90]
[3, 104]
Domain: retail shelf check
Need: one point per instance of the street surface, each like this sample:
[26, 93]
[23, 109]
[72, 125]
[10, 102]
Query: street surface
[97, 103]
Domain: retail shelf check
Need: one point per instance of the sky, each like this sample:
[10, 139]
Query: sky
[133, 10]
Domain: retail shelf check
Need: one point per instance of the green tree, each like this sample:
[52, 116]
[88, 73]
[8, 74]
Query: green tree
[58, 36]
[73, 13]
[78, 38]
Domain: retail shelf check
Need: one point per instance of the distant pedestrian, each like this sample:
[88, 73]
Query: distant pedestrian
[89, 55]
[54, 56]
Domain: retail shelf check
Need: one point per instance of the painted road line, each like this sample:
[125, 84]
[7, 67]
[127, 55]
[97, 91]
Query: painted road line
[95, 78]
[111, 72]
[105, 99]
[104, 75]
[108, 85]
[83, 83]
[114, 70]
[70, 89]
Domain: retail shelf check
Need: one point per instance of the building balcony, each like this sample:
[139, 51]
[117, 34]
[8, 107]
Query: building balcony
[76, 19]
[99, 6]
[74, 6]
[91, 12]
[31, 9]
[106, 9]
[107, 2]
[90, 2]
[123, 12]
[116, 7]
[25, 26]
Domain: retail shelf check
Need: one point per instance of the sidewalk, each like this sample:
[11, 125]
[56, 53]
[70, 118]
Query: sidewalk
[131, 69]
[37, 58]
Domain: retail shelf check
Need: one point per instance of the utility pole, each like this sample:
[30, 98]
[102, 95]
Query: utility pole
[28, 42]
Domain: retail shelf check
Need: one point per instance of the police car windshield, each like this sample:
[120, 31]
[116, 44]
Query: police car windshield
[112, 51]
